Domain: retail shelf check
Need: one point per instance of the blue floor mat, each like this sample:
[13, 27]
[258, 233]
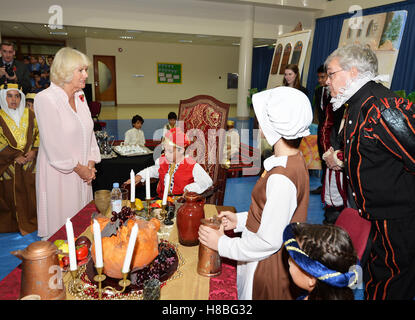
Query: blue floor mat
[11, 242]
[238, 195]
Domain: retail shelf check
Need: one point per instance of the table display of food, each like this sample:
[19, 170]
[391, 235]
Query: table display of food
[154, 266]
[131, 150]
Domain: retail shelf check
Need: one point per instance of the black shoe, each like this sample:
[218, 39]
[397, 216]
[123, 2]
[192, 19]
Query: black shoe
[331, 215]
[317, 190]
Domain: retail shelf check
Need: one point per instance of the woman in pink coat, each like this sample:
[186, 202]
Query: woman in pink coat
[68, 149]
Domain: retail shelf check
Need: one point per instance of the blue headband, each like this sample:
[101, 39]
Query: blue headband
[315, 268]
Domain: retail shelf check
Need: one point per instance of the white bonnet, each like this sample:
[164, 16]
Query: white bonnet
[283, 112]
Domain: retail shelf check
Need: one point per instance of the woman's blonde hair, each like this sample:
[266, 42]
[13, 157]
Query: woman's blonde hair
[65, 63]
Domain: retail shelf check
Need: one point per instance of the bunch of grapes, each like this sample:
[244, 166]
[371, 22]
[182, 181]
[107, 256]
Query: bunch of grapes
[125, 214]
[160, 265]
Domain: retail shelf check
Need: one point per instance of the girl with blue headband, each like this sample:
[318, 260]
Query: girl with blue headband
[322, 261]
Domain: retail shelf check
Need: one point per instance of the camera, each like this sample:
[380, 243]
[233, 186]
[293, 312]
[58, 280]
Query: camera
[9, 70]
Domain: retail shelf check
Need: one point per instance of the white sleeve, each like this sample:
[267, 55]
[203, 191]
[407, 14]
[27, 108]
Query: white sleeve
[202, 180]
[153, 170]
[278, 210]
[141, 138]
[242, 217]
[235, 142]
[128, 137]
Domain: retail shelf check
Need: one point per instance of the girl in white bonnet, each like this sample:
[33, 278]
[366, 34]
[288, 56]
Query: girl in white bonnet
[279, 197]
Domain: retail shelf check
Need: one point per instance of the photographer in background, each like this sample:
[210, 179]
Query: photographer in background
[11, 70]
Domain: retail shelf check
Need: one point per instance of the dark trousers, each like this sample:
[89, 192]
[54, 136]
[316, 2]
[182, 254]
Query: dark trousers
[390, 270]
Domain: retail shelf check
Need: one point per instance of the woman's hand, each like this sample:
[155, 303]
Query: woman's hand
[229, 220]
[210, 237]
[85, 173]
[91, 166]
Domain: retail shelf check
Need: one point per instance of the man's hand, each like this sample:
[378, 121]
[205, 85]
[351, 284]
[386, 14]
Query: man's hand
[30, 156]
[331, 160]
[21, 160]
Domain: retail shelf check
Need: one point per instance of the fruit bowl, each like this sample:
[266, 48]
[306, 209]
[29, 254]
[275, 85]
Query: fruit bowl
[162, 268]
[83, 252]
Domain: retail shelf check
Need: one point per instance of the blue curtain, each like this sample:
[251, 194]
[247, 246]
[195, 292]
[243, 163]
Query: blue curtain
[261, 62]
[327, 34]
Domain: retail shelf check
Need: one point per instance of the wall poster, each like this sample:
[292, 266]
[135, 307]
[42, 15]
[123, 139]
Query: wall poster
[382, 32]
[289, 48]
[169, 73]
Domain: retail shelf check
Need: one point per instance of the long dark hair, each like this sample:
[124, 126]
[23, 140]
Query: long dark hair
[293, 68]
[331, 246]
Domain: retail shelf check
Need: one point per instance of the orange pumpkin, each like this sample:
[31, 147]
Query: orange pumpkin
[114, 248]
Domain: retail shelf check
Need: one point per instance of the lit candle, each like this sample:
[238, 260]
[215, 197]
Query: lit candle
[148, 196]
[166, 189]
[71, 244]
[132, 188]
[130, 249]
[98, 245]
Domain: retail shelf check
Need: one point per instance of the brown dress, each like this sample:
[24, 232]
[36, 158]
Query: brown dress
[17, 182]
[272, 279]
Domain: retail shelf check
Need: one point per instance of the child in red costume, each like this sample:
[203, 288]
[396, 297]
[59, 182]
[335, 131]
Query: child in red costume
[183, 172]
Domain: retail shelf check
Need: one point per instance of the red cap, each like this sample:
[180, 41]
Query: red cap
[177, 138]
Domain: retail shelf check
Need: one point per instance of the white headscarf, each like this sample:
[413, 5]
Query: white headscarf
[15, 114]
[283, 112]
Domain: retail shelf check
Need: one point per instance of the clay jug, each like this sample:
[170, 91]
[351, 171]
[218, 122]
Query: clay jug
[41, 273]
[188, 219]
[209, 263]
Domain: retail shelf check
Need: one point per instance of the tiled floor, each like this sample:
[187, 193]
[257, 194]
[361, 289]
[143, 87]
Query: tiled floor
[238, 195]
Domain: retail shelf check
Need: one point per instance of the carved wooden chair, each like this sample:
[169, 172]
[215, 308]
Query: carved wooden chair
[209, 115]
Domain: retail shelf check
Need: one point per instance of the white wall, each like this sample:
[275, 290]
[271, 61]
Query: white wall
[201, 68]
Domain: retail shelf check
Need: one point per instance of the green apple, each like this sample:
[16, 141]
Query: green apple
[58, 243]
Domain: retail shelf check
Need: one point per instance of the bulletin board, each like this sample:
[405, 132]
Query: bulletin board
[170, 73]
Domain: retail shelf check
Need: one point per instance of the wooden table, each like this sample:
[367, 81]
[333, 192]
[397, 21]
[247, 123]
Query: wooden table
[189, 286]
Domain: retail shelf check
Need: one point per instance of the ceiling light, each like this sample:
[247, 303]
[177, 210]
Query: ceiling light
[186, 41]
[235, 44]
[126, 37]
[58, 33]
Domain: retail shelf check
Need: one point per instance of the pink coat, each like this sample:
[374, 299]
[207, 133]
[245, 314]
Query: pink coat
[66, 138]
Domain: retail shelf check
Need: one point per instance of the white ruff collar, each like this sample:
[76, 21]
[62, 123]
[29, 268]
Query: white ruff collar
[353, 85]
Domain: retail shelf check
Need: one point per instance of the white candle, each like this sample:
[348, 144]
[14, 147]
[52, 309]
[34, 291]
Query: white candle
[98, 245]
[148, 196]
[132, 188]
[71, 244]
[166, 189]
[130, 249]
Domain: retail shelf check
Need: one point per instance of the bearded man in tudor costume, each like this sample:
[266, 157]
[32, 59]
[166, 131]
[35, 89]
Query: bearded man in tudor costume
[379, 162]
[19, 142]
[182, 171]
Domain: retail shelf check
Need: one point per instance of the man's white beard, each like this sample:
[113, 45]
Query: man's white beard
[352, 86]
